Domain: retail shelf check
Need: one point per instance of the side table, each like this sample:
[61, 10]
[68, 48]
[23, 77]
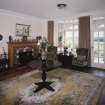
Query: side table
[65, 60]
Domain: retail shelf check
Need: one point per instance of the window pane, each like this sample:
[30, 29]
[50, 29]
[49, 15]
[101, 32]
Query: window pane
[76, 39]
[69, 31]
[98, 18]
[96, 49]
[76, 34]
[95, 46]
[75, 27]
[95, 34]
[101, 54]
[101, 34]
[76, 45]
[96, 53]
[69, 39]
[95, 60]
[101, 26]
[71, 27]
[101, 37]
[101, 60]
[76, 21]
[101, 47]
[69, 34]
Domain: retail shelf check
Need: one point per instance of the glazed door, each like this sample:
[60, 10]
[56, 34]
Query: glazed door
[98, 43]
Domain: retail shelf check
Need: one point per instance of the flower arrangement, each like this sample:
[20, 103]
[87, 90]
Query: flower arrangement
[44, 43]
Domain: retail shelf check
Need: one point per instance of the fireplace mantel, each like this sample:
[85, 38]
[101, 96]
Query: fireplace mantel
[14, 45]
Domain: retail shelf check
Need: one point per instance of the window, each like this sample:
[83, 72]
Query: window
[99, 40]
[68, 30]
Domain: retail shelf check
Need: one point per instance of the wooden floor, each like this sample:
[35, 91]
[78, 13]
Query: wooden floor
[9, 73]
[100, 73]
[21, 70]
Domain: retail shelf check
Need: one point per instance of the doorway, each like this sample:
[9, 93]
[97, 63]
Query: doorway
[98, 42]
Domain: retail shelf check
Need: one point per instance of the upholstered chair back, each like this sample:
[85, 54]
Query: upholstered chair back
[82, 52]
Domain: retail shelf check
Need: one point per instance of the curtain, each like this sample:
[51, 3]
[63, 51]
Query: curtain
[51, 32]
[84, 34]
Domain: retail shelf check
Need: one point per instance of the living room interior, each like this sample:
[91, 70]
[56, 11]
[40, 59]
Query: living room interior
[52, 52]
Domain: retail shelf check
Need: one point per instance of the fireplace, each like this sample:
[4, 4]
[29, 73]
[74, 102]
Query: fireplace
[19, 50]
[24, 55]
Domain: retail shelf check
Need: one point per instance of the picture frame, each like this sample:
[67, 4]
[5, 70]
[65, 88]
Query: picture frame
[22, 29]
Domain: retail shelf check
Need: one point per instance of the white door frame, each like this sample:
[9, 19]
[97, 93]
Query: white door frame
[97, 65]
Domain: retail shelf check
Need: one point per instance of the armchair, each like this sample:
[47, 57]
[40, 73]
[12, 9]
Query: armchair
[52, 61]
[82, 59]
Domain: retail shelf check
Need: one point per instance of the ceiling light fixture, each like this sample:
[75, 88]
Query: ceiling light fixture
[62, 5]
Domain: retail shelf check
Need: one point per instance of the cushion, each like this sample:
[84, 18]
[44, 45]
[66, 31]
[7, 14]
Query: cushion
[81, 58]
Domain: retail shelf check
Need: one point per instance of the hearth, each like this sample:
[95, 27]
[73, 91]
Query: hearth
[24, 55]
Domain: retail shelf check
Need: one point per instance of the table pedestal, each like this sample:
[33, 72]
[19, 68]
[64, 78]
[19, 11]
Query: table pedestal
[44, 83]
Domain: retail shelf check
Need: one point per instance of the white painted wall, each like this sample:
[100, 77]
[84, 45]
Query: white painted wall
[8, 24]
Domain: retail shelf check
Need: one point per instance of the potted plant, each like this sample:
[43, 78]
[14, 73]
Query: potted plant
[44, 43]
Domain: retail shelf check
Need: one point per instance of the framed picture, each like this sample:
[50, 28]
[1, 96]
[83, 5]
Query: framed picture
[22, 30]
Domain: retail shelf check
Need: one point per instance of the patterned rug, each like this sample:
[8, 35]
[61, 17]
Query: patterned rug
[72, 88]
[27, 95]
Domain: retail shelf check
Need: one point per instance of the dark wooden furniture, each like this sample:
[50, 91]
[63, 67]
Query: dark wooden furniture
[44, 83]
[12, 46]
[3, 62]
[65, 60]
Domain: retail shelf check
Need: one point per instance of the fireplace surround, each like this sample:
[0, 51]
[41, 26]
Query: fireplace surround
[12, 50]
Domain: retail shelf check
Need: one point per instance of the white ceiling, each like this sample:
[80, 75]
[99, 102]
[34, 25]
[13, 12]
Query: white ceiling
[48, 8]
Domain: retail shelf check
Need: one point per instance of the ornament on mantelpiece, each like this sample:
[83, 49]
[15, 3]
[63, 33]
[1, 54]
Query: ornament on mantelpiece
[24, 38]
[10, 38]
